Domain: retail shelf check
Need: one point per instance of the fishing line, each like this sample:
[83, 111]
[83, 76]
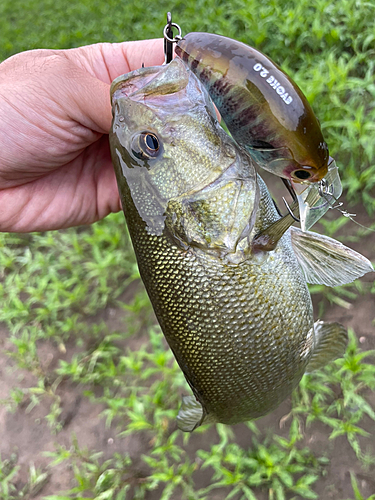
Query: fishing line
[346, 214]
[326, 191]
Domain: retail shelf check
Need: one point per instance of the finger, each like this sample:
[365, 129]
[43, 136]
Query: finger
[102, 63]
[88, 102]
[79, 193]
[135, 54]
[107, 61]
[147, 52]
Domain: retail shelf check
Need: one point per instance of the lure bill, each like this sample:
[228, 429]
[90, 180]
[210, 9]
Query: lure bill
[317, 199]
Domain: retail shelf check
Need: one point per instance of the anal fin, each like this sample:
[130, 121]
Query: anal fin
[331, 340]
[190, 415]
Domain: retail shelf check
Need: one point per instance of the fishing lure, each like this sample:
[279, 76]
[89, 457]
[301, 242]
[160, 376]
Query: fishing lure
[263, 108]
[267, 113]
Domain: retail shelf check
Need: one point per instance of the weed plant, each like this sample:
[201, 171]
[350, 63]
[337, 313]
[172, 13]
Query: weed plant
[57, 289]
[336, 396]
[357, 493]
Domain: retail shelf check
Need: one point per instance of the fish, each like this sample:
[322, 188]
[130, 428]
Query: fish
[237, 317]
[263, 108]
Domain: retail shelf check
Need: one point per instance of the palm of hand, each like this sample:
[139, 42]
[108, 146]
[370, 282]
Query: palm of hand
[55, 165]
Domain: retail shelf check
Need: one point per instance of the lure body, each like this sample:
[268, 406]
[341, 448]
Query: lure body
[263, 108]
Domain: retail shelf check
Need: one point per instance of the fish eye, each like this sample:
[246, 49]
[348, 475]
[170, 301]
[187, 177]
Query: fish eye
[301, 174]
[145, 146]
[152, 142]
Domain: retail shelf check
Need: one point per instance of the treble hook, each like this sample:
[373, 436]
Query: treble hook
[168, 38]
[290, 210]
[325, 189]
[292, 193]
[289, 187]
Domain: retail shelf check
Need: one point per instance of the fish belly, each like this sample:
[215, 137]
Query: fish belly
[242, 334]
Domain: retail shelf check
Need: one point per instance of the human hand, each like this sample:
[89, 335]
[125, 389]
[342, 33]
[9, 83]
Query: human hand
[55, 164]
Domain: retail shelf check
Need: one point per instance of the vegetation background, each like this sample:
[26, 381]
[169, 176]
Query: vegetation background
[89, 390]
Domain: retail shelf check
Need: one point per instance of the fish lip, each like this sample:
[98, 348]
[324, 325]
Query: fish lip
[151, 82]
[126, 84]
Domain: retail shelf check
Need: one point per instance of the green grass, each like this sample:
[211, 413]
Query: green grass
[36, 479]
[54, 286]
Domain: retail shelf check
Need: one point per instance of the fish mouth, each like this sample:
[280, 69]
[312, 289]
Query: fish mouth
[127, 84]
[151, 82]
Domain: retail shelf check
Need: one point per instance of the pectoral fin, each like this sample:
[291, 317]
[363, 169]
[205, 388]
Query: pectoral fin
[330, 343]
[325, 261]
[190, 415]
[269, 237]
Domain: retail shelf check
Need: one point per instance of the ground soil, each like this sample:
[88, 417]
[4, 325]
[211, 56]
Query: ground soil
[28, 434]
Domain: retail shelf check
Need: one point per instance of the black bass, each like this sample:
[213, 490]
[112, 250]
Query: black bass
[238, 318]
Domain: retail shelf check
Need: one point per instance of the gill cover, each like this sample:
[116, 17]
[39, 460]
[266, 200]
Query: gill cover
[185, 176]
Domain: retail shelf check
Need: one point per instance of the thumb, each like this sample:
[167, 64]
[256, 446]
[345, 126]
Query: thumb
[97, 66]
[87, 101]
